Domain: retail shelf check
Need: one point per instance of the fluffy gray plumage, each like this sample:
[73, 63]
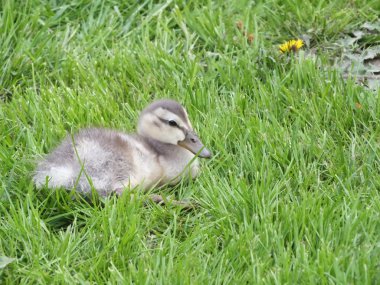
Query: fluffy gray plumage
[114, 160]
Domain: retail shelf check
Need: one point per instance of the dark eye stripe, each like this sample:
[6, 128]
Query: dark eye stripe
[173, 123]
[176, 125]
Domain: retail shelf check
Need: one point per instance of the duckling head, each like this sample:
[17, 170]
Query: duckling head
[167, 121]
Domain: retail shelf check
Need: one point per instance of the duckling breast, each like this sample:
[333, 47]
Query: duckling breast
[179, 164]
[147, 170]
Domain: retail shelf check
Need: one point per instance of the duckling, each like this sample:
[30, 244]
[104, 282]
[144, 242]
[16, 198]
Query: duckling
[163, 151]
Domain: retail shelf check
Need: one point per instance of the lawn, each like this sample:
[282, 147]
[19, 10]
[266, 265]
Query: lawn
[292, 193]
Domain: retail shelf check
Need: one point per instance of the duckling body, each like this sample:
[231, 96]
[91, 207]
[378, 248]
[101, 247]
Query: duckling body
[110, 161]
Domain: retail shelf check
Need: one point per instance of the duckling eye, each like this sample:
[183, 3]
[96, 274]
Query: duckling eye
[173, 123]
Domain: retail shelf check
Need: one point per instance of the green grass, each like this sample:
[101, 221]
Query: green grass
[291, 195]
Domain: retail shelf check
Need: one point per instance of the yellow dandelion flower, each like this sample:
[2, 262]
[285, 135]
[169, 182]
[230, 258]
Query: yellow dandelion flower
[291, 46]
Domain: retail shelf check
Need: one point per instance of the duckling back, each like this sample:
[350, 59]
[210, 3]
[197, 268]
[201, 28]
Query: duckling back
[100, 157]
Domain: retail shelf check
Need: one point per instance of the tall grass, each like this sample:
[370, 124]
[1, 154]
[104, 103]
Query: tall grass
[292, 192]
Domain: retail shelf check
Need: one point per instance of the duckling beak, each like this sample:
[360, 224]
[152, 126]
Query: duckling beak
[194, 144]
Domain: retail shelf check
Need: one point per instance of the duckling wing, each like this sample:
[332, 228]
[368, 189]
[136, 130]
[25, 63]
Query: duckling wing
[98, 157]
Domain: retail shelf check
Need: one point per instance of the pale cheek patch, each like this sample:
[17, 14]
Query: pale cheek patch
[148, 128]
[176, 135]
[171, 135]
